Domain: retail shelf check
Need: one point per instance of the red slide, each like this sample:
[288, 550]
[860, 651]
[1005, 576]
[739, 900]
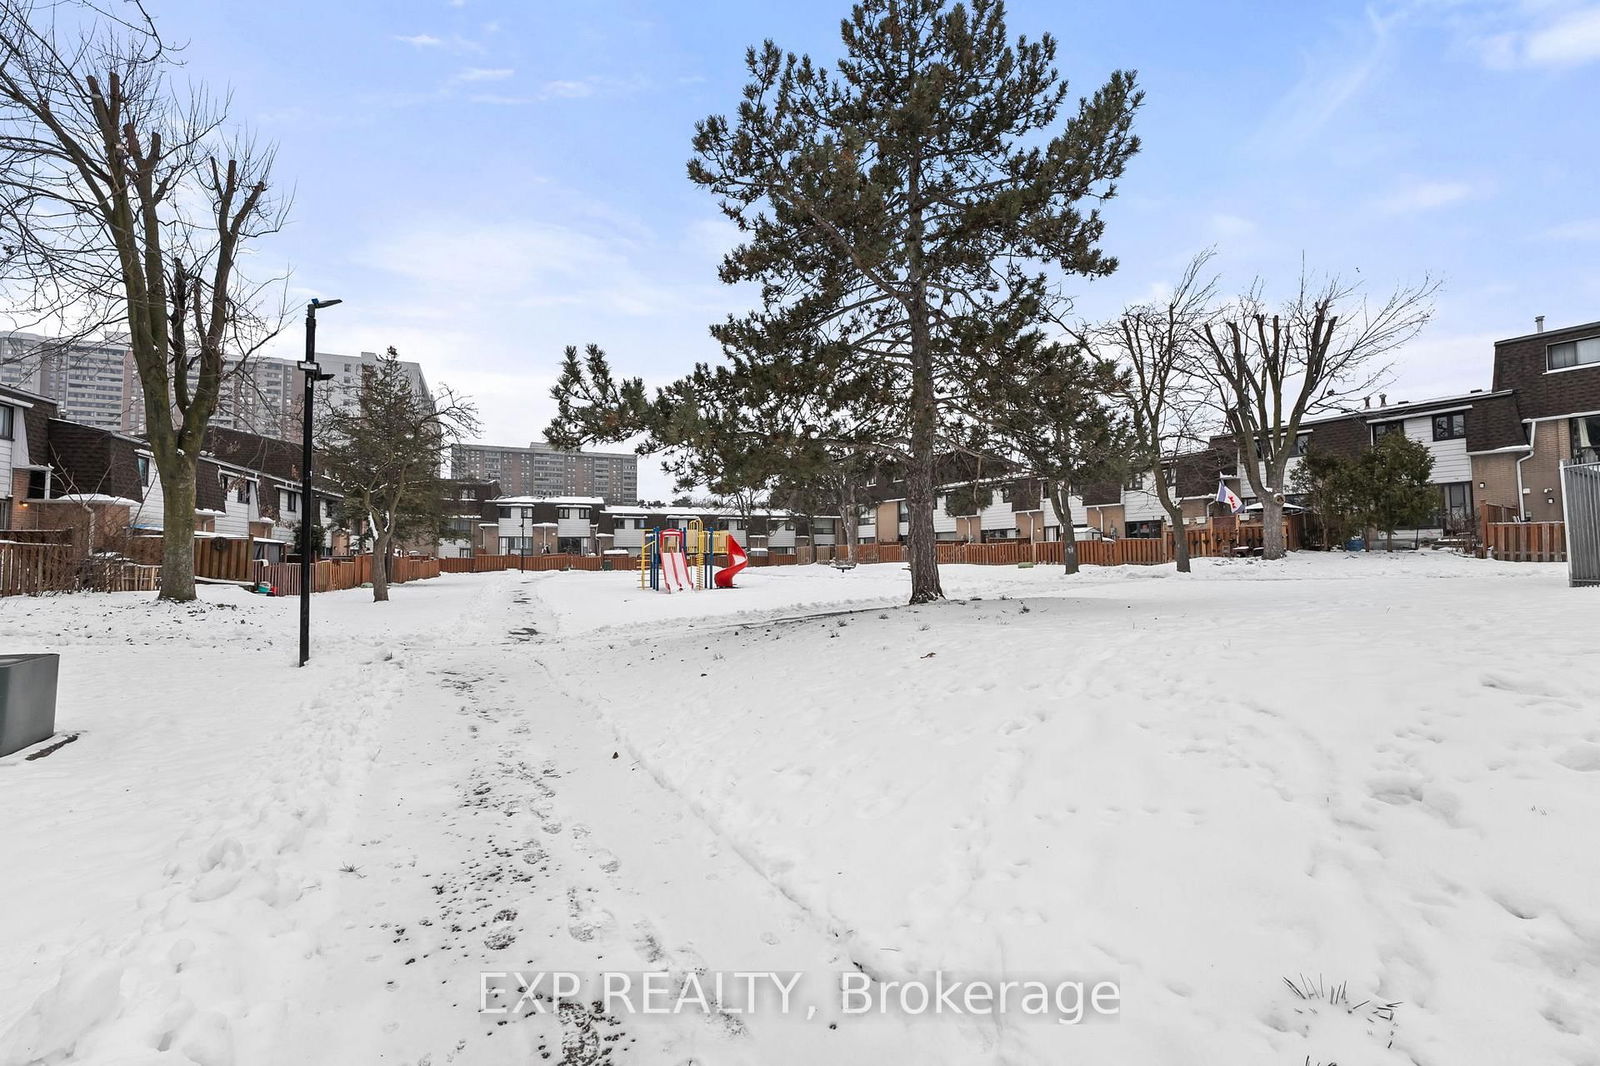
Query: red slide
[737, 561]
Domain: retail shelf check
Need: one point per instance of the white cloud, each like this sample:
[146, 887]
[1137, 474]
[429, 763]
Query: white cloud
[1585, 229]
[1427, 196]
[1513, 34]
[567, 90]
[485, 74]
[421, 40]
[1570, 41]
[1336, 73]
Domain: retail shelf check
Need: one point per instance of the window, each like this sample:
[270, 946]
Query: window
[288, 502]
[143, 462]
[241, 491]
[1301, 442]
[1457, 499]
[1586, 439]
[1134, 483]
[8, 421]
[38, 484]
[905, 511]
[1383, 429]
[871, 517]
[1452, 426]
[5, 513]
[1573, 353]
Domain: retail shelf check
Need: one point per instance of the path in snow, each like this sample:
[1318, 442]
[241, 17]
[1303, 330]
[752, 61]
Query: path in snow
[506, 829]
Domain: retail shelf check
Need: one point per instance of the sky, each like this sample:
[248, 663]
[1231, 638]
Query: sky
[484, 182]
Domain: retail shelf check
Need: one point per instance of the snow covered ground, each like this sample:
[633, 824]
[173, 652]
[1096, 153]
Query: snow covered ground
[1376, 777]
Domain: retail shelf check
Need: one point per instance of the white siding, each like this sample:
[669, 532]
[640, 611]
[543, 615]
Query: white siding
[1450, 459]
[1048, 509]
[998, 515]
[1142, 504]
[236, 523]
[572, 527]
[6, 454]
[942, 522]
[781, 538]
[151, 513]
[1246, 492]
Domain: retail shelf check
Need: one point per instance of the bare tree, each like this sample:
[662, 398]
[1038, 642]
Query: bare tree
[1166, 393]
[1272, 368]
[126, 206]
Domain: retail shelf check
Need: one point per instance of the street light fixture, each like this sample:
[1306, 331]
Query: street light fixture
[308, 510]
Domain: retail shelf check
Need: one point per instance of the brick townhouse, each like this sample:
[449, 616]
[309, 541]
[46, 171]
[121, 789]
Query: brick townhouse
[102, 483]
[1504, 445]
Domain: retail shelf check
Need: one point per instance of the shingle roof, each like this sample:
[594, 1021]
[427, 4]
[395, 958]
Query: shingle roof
[1495, 423]
[90, 460]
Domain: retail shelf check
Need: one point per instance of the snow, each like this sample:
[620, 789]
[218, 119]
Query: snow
[1373, 776]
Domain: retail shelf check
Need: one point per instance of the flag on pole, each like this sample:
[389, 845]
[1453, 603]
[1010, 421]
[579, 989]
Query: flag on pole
[1226, 496]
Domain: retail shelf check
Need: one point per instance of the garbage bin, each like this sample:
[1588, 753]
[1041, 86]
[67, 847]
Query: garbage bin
[605, 564]
[27, 700]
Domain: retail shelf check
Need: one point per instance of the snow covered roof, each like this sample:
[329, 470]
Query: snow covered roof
[562, 501]
[91, 497]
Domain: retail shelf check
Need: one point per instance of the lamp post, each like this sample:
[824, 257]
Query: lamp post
[312, 374]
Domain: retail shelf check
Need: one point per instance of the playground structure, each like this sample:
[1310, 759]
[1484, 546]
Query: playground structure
[676, 560]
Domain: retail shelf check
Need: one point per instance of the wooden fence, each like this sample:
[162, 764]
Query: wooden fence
[1243, 539]
[335, 575]
[483, 564]
[1526, 542]
[31, 569]
[217, 558]
[1501, 536]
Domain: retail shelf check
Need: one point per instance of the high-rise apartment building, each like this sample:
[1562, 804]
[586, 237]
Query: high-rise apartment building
[84, 378]
[97, 384]
[540, 470]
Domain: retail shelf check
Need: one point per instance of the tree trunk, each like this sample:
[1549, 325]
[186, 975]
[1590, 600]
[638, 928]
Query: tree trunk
[380, 568]
[922, 547]
[1174, 510]
[1180, 537]
[1272, 544]
[177, 532]
[1061, 498]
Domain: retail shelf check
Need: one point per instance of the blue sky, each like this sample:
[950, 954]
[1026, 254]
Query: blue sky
[484, 182]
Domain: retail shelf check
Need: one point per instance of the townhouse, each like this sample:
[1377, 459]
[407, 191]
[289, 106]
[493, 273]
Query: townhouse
[1545, 412]
[541, 525]
[1503, 446]
[102, 483]
[24, 453]
[586, 525]
[471, 519]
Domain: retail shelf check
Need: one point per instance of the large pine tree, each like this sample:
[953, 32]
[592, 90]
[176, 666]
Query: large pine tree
[907, 214]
